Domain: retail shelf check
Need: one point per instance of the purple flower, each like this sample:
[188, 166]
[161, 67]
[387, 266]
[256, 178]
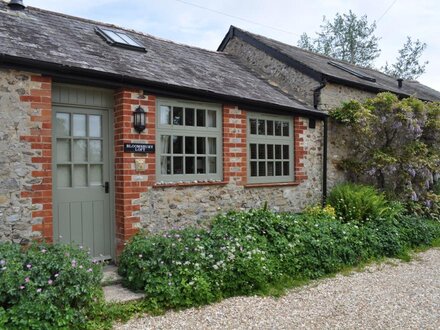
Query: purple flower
[89, 270]
[29, 266]
[27, 280]
[73, 263]
[43, 250]
[412, 172]
[50, 282]
[2, 262]
[56, 275]
[414, 196]
[21, 287]
[39, 290]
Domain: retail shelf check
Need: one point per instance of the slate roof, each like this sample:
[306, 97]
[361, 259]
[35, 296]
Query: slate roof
[317, 65]
[41, 37]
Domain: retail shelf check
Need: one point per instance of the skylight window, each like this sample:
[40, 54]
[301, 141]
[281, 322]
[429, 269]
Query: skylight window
[351, 71]
[120, 39]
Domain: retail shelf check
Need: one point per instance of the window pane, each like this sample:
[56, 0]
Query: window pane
[285, 128]
[80, 176]
[253, 151]
[212, 164]
[189, 165]
[189, 116]
[212, 118]
[165, 165]
[278, 151]
[285, 152]
[114, 36]
[253, 168]
[277, 128]
[286, 168]
[261, 151]
[165, 143]
[165, 115]
[79, 125]
[177, 165]
[278, 171]
[63, 151]
[177, 116]
[95, 175]
[270, 151]
[95, 126]
[80, 151]
[95, 150]
[270, 169]
[212, 146]
[201, 165]
[189, 145]
[261, 168]
[201, 145]
[177, 144]
[63, 176]
[63, 124]
[201, 118]
[253, 124]
[270, 127]
[261, 127]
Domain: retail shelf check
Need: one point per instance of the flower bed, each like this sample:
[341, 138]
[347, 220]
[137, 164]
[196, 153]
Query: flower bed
[47, 286]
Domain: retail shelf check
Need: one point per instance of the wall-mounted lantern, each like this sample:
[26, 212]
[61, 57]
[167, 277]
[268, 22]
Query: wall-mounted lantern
[139, 119]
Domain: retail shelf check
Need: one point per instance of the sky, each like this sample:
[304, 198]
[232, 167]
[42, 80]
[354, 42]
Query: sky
[184, 21]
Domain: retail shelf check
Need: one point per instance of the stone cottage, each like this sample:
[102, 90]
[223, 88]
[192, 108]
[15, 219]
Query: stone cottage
[105, 130]
[318, 81]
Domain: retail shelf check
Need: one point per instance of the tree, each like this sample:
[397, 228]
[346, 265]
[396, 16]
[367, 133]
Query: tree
[351, 39]
[407, 64]
[347, 38]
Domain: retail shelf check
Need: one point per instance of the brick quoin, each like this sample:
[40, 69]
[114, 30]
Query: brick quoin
[234, 145]
[299, 151]
[40, 140]
[128, 190]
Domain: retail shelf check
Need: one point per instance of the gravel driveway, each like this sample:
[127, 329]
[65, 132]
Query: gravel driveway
[387, 296]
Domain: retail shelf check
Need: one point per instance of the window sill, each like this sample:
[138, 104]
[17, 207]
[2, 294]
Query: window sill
[189, 184]
[268, 185]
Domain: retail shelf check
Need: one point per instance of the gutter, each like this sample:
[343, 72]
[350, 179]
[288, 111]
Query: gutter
[66, 73]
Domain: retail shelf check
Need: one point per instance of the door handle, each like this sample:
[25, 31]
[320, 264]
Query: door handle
[106, 186]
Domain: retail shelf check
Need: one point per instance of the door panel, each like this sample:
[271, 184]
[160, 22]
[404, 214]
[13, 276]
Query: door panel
[81, 168]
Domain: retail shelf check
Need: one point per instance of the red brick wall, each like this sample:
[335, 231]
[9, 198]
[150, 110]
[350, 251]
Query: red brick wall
[300, 152]
[234, 145]
[40, 139]
[129, 183]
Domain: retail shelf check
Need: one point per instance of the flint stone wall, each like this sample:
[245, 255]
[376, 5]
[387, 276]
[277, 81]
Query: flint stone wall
[15, 158]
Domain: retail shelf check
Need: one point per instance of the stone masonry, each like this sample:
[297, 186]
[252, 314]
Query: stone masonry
[140, 202]
[25, 156]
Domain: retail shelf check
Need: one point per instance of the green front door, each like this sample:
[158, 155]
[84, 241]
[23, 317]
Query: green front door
[81, 177]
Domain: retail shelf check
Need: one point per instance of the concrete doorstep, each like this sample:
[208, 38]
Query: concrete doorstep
[113, 289]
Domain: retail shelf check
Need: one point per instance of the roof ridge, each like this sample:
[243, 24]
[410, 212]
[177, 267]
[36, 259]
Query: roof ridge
[110, 25]
[327, 57]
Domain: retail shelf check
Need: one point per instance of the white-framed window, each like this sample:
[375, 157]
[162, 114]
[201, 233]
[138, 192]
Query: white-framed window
[270, 148]
[189, 141]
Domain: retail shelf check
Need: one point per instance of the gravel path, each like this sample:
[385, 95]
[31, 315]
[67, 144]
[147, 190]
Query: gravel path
[387, 296]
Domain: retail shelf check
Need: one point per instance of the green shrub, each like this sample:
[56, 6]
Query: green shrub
[353, 202]
[251, 252]
[46, 286]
